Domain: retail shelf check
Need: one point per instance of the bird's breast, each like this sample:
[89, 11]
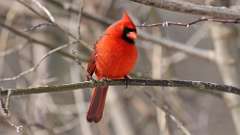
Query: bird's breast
[114, 58]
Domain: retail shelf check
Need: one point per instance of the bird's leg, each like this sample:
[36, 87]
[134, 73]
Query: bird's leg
[127, 77]
[90, 78]
[105, 79]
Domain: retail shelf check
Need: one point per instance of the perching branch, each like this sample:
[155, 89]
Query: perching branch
[121, 82]
[190, 8]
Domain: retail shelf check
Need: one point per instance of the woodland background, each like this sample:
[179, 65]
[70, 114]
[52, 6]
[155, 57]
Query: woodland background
[209, 51]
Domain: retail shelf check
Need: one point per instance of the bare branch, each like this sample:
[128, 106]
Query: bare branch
[37, 65]
[44, 18]
[48, 45]
[45, 10]
[38, 27]
[202, 19]
[49, 19]
[179, 124]
[121, 82]
[5, 104]
[23, 2]
[81, 6]
[201, 53]
[190, 8]
[192, 42]
[104, 21]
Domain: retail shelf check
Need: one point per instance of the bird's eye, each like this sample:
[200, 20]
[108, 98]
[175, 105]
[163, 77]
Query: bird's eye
[129, 35]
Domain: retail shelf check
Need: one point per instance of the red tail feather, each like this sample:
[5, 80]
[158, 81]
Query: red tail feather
[96, 107]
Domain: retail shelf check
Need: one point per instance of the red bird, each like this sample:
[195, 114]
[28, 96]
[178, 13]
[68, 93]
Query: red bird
[114, 56]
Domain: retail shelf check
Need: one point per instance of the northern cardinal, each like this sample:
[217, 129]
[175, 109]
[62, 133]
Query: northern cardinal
[114, 56]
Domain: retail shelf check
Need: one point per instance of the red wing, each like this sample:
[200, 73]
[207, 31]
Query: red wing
[92, 61]
[91, 64]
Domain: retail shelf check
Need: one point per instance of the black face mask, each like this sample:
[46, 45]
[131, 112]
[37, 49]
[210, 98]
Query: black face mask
[125, 33]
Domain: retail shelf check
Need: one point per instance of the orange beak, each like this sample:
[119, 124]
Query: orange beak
[132, 35]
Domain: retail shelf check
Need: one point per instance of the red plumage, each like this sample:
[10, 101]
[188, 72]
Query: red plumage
[114, 56]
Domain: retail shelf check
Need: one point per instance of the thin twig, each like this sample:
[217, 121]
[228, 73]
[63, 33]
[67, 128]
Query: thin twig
[53, 23]
[6, 114]
[192, 42]
[44, 18]
[165, 108]
[121, 82]
[24, 3]
[7, 101]
[81, 6]
[190, 8]
[202, 19]
[37, 65]
[45, 10]
[176, 121]
[23, 35]
[38, 27]
[104, 21]
[201, 53]
[3, 104]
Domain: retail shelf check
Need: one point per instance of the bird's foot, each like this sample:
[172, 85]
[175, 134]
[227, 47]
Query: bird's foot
[90, 78]
[127, 77]
[105, 80]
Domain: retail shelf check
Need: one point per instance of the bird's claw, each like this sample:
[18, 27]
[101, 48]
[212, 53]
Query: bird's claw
[105, 80]
[126, 77]
[90, 78]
